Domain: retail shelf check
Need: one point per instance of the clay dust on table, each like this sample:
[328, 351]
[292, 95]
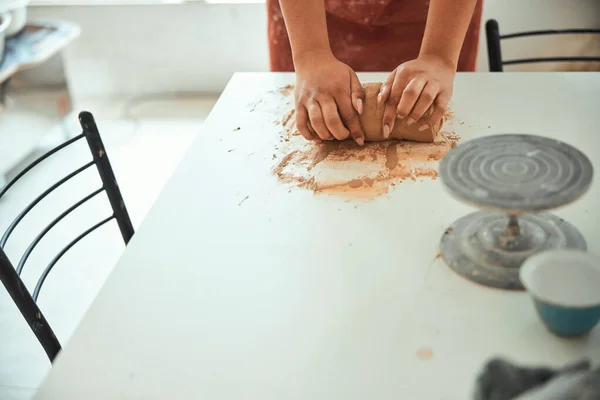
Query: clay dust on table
[286, 90]
[344, 168]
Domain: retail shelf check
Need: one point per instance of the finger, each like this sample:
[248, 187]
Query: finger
[384, 91]
[350, 118]
[302, 122]
[358, 93]
[312, 131]
[440, 105]
[332, 118]
[316, 121]
[409, 98]
[391, 106]
[426, 99]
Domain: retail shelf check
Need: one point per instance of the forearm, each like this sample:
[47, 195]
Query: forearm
[306, 26]
[447, 24]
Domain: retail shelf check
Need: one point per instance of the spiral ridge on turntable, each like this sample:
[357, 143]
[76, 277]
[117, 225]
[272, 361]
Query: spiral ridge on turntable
[516, 173]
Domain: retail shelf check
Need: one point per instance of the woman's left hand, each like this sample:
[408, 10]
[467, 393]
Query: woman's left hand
[412, 88]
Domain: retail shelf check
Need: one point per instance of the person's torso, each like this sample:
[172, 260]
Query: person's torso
[379, 12]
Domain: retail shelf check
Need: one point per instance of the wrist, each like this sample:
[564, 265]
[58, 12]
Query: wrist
[446, 61]
[310, 57]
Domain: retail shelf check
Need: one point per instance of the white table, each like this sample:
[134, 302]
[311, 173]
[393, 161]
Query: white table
[287, 297]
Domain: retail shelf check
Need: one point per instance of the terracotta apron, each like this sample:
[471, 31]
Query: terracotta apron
[370, 35]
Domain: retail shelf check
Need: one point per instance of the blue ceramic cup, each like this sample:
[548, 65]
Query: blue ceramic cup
[565, 286]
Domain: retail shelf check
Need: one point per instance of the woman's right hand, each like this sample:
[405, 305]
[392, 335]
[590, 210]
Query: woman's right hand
[329, 98]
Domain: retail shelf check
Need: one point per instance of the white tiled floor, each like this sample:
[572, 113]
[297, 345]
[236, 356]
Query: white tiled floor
[145, 139]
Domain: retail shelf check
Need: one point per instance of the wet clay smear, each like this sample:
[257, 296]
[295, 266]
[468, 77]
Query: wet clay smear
[346, 169]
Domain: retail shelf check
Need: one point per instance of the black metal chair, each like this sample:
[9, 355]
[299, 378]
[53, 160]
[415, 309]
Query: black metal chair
[493, 37]
[10, 276]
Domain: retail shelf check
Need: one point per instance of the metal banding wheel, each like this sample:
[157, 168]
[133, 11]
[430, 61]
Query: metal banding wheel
[510, 175]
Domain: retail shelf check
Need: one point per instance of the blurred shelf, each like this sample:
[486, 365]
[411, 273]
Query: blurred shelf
[30, 112]
[35, 45]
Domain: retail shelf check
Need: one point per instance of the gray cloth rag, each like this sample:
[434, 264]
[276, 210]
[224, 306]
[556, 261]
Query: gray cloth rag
[503, 380]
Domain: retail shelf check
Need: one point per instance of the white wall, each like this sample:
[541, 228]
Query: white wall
[196, 47]
[161, 48]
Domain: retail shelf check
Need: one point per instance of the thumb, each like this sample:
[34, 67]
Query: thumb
[358, 93]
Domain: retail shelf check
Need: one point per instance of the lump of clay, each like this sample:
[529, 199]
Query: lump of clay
[372, 121]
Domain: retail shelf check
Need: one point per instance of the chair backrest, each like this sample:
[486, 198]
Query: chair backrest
[10, 273]
[493, 36]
